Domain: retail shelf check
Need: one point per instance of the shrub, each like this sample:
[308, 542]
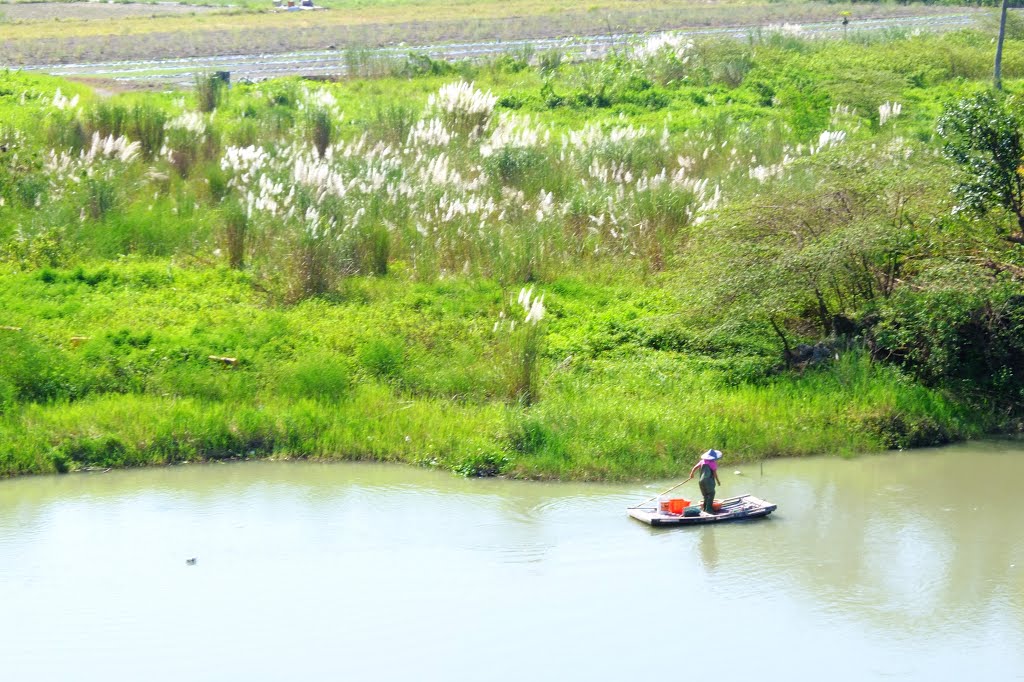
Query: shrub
[8, 394]
[30, 371]
[322, 377]
[972, 341]
[184, 144]
[482, 465]
[898, 431]
[392, 122]
[526, 342]
[383, 357]
[63, 130]
[236, 225]
[107, 119]
[101, 196]
[104, 451]
[210, 90]
[145, 125]
[463, 107]
[320, 129]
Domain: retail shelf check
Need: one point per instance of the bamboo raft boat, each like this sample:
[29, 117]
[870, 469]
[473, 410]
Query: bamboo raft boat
[732, 509]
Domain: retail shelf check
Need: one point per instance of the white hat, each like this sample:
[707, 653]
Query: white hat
[711, 455]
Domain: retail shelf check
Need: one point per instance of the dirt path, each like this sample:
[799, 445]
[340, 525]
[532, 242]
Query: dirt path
[93, 11]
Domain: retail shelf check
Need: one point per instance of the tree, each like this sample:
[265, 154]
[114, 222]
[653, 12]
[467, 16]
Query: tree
[817, 249]
[983, 136]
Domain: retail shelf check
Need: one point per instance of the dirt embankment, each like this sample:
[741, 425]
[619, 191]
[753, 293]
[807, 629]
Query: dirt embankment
[94, 11]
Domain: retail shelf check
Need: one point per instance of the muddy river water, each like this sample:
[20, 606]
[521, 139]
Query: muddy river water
[907, 566]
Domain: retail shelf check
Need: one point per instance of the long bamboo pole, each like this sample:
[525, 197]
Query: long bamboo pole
[658, 495]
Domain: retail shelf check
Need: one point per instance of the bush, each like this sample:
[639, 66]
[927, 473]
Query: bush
[210, 89]
[383, 357]
[8, 394]
[29, 371]
[320, 129]
[105, 451]
[63, 130]
[482, 465]
[393, 122]
[107, 119]
[320, 377]
[236, 226]
[971, 341]
[146, 126]
[523, 168]
[897, 431]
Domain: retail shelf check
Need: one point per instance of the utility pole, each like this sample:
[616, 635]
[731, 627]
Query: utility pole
[999, 48]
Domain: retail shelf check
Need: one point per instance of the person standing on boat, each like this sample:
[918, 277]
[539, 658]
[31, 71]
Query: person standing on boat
[708, 465]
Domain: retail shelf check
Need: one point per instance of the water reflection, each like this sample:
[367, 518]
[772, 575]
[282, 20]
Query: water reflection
[910, 542]
[708, 549]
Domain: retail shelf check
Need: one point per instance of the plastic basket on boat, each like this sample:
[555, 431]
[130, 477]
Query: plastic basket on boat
[677, 505]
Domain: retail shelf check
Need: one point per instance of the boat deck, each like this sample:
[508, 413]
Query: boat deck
[733, 509]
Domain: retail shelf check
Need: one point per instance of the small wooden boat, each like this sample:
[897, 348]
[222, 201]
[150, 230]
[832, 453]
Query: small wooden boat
[733, 509]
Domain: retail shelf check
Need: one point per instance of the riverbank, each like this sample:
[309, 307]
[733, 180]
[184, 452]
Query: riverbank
[146, 362]
[527, 267]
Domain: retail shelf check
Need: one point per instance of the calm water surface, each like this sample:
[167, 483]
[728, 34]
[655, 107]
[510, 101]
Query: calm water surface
[908, 567]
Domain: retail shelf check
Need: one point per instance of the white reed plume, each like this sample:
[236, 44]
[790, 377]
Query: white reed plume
[64, 164]
[518, 132]
[786, 29]
[429, 133]
[462, 97]
[674, 44]
[320, 98]
[888, 111]
[534, 307]
[111, 147]
[244, 164]
[61, 102]
[763, 173]
[592, 136]
[708, 206]
[439, 170]
[318, 174]
[191, 121]
[828, 138]
[268, 197]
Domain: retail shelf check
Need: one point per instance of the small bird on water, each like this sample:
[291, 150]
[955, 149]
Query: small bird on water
[191, 562]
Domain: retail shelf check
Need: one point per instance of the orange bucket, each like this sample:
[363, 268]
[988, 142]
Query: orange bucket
[717, 505]
[677, 505]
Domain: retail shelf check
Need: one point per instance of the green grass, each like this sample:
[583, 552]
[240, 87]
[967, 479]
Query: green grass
[408, 372]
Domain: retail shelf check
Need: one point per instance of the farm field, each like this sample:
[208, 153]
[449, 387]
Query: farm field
[64, 32]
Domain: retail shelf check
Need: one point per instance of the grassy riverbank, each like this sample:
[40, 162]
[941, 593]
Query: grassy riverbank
[337, 270]
[394, 370]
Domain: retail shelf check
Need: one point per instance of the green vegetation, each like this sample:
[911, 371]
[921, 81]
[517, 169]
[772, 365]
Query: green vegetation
[528, 267]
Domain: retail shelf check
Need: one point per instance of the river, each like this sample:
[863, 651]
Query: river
[907, 566]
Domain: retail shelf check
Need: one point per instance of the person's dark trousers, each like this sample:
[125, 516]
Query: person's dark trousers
[707, 489]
